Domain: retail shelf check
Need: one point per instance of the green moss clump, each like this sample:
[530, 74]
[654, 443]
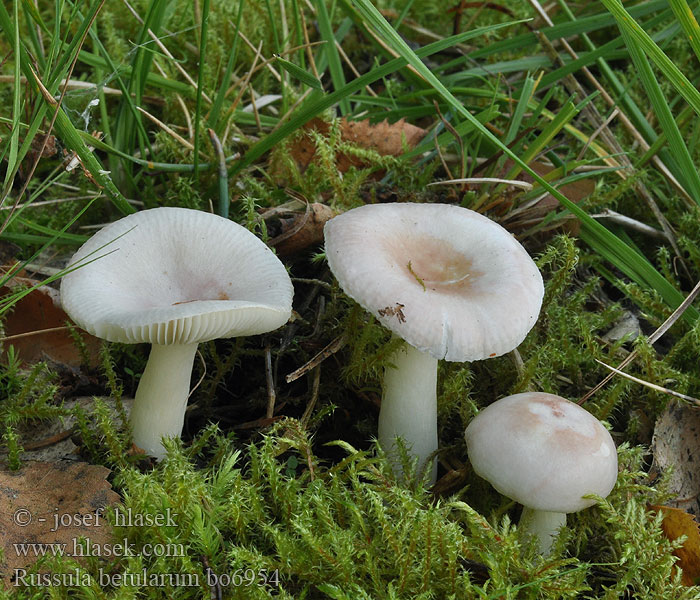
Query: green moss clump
[280, 523]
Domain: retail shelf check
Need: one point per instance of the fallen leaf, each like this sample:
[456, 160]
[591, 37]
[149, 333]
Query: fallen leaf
[302, 230]
[41, 309]
[41, 496]
[388, 139]
[526, 218]
[676, 523]
[676, 446]
[53, 440]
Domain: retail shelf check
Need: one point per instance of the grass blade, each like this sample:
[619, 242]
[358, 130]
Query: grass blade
[200, 76]
[215, 112]
[688, 22]
[317, 105]
[334, 66]
[603, 241]
[679, 81]
[16, 106]
[687, 173]
[298, 73]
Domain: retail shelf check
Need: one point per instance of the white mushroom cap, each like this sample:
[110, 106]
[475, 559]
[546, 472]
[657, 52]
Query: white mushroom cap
[542, 451]
[446, 279]
[176, 276]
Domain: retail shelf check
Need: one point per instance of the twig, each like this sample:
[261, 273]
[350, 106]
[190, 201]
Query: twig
[267, 63]
[204, 374]
[630, 223]
[30, 333]
[323, 284]
[653, 338]
[315, 386]
[176, 136]
[49, 441]
[329, 350]
[309, 54]
[648, 384]
[597, 132]
[271, 393]
[514, 182]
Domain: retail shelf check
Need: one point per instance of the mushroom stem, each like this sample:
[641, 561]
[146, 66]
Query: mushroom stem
[161, 398]
[543, 524]
[409, 408]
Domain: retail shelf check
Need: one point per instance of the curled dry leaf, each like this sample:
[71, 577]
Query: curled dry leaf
[676, 523]
[576, 192]
[388, 139]
[42, 495]
[676, 446]
[302, 230]
[38, 310]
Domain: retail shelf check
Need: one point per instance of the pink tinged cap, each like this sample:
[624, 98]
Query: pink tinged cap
[446, 279]
[176, 276]
[543, 452]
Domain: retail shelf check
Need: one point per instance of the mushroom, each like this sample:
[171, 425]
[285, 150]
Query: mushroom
[451, 283]
[173, 277]
[545, 453]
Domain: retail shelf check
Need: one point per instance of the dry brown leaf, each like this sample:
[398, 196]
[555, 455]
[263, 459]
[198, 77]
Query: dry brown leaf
[42, 495]
[676, 446]
[576, 192]
[302, 230]
[41, 309]
[388, 139]
[52, 440]
[676, 523]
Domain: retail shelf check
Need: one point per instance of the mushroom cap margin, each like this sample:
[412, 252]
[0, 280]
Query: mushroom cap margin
[373, 252]
[176, 275]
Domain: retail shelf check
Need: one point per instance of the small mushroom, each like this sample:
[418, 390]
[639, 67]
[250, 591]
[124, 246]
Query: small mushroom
[450, 282]
[173, 277]
[546, 453]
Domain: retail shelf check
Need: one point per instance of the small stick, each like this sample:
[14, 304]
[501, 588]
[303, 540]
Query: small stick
[648, 384]
[514, 182]
[271, 394]
[630, 223]
[214, 588]
[172, 133]
[653, 338]
[49, 441]
[329, 350]
[458, 139]
[204, 374]
[323, 284]
[269, 66]
[28, 333]
[304, 421]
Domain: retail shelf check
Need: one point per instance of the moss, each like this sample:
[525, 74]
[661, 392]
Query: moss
[314, 530]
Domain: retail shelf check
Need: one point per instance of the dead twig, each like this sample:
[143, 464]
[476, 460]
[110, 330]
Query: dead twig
[648, 384]
[653, 338]
[315, 386]
[271, 392]
[329, 350]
